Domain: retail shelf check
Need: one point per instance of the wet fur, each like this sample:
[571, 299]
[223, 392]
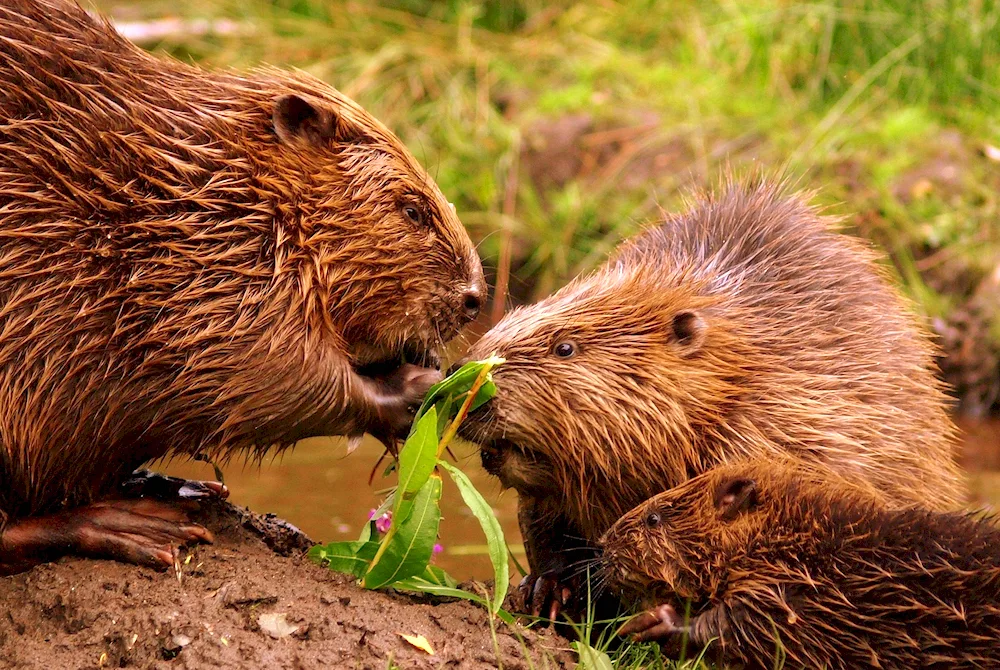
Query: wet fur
[807, 349]
[820, 563]
[176, 275]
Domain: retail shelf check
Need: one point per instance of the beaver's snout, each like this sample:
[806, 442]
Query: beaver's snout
[472, 301]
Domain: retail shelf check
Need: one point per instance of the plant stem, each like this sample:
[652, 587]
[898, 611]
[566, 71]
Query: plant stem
[452, 429]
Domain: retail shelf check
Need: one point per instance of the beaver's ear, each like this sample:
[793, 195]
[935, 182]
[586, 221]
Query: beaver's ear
[298, 120]
[735, 496]
[688, 330]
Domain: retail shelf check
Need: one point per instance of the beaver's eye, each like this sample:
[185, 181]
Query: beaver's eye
[413, 214]
[565, 349]
[652, 520]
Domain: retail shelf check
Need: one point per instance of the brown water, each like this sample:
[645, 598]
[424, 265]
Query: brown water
[325, 492]
[980, 456]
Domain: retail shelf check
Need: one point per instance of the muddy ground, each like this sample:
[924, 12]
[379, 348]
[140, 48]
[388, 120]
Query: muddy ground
[79, 614]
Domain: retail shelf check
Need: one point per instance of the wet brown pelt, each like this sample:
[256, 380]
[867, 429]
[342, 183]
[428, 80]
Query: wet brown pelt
[770, 550]
[746, 326]
[196, 261]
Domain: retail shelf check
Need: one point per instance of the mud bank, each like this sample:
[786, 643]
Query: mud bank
[251, 600]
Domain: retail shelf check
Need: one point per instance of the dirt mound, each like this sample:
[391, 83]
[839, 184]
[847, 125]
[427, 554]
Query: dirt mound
[238, 604]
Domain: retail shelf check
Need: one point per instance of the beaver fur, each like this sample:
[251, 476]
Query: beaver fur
[745, 326]
[769, 555]
[198, 262]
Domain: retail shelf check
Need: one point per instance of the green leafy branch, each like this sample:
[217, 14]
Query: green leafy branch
[401, 559]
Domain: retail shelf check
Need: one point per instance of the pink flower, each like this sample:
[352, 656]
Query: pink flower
[383, 523]
[437, 548]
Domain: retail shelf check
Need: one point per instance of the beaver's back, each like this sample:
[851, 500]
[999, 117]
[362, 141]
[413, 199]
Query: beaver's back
[899, 588]
[192, 259]
[104, 250]
[833, 358]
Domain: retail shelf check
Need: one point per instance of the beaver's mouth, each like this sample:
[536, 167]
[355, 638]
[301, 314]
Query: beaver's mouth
[528, 472]
[641, 592]
[374, 362]
[626, 584]
[493, 453]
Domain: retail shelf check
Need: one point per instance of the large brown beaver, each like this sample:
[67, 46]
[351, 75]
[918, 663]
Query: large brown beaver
[746, 326]
[195, 262]
[778, 559]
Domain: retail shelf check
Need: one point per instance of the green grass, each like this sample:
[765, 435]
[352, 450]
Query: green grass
[853, 96]
[885, 106]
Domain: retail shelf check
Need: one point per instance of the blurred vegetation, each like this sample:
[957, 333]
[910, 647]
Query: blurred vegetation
[557, 128]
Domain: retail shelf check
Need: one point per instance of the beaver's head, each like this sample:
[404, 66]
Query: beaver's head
[607, 387]
[377, 250]
[679, 546]
[751, 518]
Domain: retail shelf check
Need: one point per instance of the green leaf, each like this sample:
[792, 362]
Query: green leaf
[444, 409]
[351, 558]
[424, 586]
[406, 552]
[491, 527]
[368, 531]
[484, 394]
[590, 658]
[436, 575]
[460, 382]
[416, 462]
[453, 385]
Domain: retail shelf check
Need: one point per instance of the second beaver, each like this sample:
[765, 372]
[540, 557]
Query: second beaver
[746, 326]
[779, 559]
[195, 262]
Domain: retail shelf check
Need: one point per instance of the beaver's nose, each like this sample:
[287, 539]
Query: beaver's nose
[472, 302]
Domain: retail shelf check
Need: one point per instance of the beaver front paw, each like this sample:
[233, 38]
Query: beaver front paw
[664, 625]
[395, 399]
[546, 593]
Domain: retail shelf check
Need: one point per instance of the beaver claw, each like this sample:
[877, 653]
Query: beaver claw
[543, 594]
[149, 484]
[144, 532]
[659, 624]
[662, 624]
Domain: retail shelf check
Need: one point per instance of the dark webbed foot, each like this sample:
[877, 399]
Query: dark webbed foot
[142, 531]
[149, 484]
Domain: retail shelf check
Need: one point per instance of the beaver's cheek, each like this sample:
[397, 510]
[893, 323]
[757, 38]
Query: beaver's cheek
[525, 475]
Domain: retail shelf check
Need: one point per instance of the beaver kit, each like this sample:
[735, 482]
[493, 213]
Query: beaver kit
[195, 262]
[775, 558]
[746, 326]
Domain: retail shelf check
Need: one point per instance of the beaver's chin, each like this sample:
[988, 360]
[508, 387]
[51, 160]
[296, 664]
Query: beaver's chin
[375, 360]
[629, 588]
[640, 593]
[528, 473]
